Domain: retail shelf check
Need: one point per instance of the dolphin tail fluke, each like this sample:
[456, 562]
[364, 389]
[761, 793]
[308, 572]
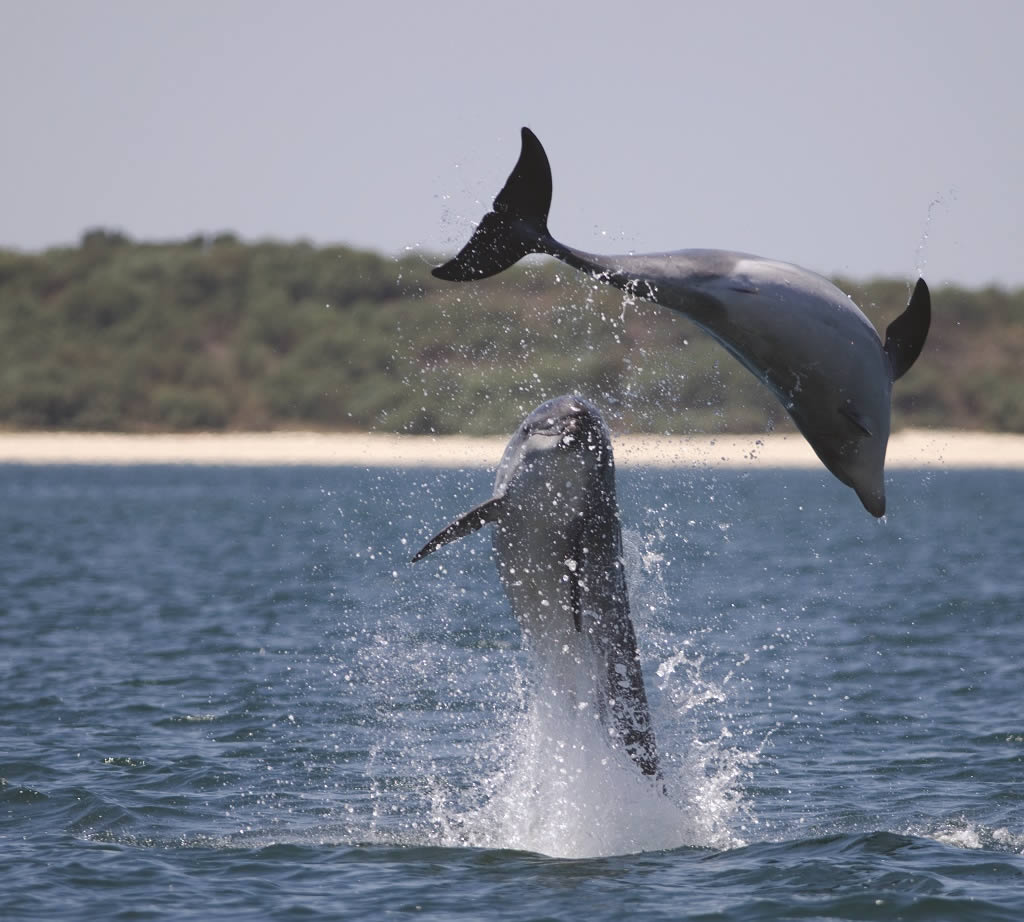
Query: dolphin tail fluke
[470, 522]
[905, 336]
[516, 227]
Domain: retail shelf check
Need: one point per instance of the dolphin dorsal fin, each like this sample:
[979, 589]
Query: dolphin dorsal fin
[476, 518]
[905, 336]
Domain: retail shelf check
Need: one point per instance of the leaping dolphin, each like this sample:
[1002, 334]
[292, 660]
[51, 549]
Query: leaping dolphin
[558, 545]
[793, 329]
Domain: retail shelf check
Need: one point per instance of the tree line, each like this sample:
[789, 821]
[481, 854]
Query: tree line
[213, 333]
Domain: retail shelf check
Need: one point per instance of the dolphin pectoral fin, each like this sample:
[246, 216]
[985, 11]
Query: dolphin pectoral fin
[516, 227]
[905, 336]
[470, 522]
[854, 417]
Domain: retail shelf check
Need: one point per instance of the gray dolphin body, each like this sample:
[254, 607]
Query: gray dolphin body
[558, 545]
[793, 329]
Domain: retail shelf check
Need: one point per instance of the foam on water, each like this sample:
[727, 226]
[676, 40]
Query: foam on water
[964, 833]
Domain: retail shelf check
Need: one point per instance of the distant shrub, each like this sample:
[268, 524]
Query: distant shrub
[199, 408]
[214, 333]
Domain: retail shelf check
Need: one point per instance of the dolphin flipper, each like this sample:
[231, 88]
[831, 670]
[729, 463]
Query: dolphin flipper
[516, 227]
[905, 336]
[476, 518]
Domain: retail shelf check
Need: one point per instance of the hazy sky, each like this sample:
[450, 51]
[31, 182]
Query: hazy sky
[861, 138]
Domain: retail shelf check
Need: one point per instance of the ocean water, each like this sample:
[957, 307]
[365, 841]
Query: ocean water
[226, 693]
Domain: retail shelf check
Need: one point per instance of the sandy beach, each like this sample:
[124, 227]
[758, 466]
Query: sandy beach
[909, 448]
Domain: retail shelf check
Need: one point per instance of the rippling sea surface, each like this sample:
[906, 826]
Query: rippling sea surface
[225, 693]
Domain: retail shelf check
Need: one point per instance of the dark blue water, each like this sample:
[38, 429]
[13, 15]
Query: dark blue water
[226, 694]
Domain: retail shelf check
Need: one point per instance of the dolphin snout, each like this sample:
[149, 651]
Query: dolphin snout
[874, 502]
[860, 466]
[870, 488]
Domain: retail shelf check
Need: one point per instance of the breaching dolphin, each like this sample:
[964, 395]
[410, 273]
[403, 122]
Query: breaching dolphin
[558, 545]
[793, 329]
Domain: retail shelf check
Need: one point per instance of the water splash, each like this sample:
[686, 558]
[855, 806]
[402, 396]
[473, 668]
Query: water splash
[921, 257]
[567, 795]
[479, 746]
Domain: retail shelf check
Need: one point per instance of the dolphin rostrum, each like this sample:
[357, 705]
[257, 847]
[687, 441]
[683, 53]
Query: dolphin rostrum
[791, 328]
[558, 545]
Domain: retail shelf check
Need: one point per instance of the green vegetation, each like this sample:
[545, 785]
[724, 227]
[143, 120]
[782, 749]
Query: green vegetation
[214, 333]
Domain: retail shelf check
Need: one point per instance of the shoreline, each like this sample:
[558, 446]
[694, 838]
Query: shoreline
[908, 448]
